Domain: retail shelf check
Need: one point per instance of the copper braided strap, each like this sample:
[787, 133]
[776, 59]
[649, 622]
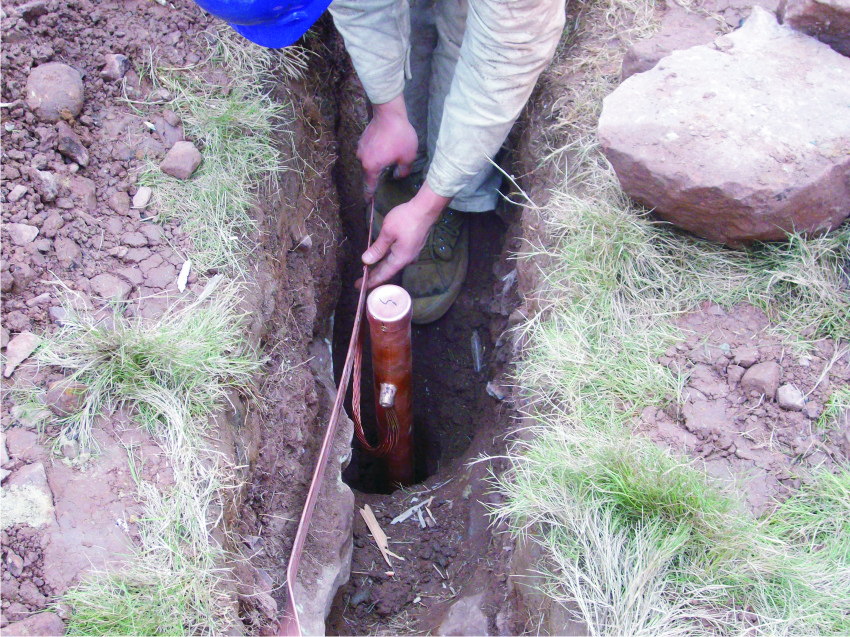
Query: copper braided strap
[388, 443]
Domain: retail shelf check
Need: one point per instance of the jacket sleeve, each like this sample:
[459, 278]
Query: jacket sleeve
[506, 46]
[377, 37]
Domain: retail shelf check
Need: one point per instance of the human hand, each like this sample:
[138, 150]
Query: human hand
[403, 235]
[388, 139]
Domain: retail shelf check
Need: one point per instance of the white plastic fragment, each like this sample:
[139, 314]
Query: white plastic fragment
[401, 517]
[184, 275]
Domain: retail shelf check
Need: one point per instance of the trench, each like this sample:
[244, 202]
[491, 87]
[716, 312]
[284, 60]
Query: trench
[456, 418]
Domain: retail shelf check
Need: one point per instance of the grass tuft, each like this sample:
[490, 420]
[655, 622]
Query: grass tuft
[172, 374]
[242, 133]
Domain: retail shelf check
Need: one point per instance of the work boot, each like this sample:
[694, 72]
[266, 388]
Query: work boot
[435, 278]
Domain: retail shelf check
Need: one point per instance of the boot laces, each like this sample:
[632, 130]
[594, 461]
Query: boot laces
[443, 235]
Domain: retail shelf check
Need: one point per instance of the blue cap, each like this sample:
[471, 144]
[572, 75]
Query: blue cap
[270, 23]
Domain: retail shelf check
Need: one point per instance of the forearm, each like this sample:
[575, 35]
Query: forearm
[377, 36]
[506, 46]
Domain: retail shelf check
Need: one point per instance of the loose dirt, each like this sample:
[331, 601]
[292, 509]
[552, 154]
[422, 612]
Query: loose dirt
[741, 435]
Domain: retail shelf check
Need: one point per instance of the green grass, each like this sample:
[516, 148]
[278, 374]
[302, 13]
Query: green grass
[171, 374]
[637, 540]
[837, 405]
[242, 133]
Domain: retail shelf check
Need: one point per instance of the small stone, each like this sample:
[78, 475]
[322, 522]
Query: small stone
[181, 161]
[31, 596]
[39, 161]
[67, 252]
[142, 197]
[812, 410]
[37, 625]
[33, 10]
[22, 276]
[134, 239]
[172, 118]
[58, 314]
[116, 66]
[15, 563]
[735, 374]
[790, 398]
[762, 378]
[71, 449]
[17, 193]
[64, 398]
[109, 286]
[54, 89]
[120, 202]
[497, 390]
[746, 356]
[48, 186]
[52, 224]
[39, 300]
[4, 340]
[18, 350]
[21, 233]
[68, 143]
[43, 245]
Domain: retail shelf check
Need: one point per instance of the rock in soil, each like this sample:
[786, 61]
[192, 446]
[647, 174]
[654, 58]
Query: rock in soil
[53, 90]
[762, 378]
[64, 398]
[16, 193]
[47, 185]
[68, 144]
[116, 66]
[682, 137]
[181, 161]
[37, 625]
[21, 233]
[465, 618]
[790, 398]
[18, 350]
[142, 197]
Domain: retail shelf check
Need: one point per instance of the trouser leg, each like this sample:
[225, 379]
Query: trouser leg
[423, 40]
[482, 193]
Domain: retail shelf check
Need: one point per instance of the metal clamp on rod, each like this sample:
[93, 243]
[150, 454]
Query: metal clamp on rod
[387, 397]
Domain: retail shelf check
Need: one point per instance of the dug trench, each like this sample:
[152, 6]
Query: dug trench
[461, 415]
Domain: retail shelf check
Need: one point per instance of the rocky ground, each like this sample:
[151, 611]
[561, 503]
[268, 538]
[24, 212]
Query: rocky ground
[73, 217]
[75, 134]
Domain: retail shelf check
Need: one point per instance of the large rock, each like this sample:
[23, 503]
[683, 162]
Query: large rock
[53, 90]
[739, 141]
[680, 29]
[826, 20]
